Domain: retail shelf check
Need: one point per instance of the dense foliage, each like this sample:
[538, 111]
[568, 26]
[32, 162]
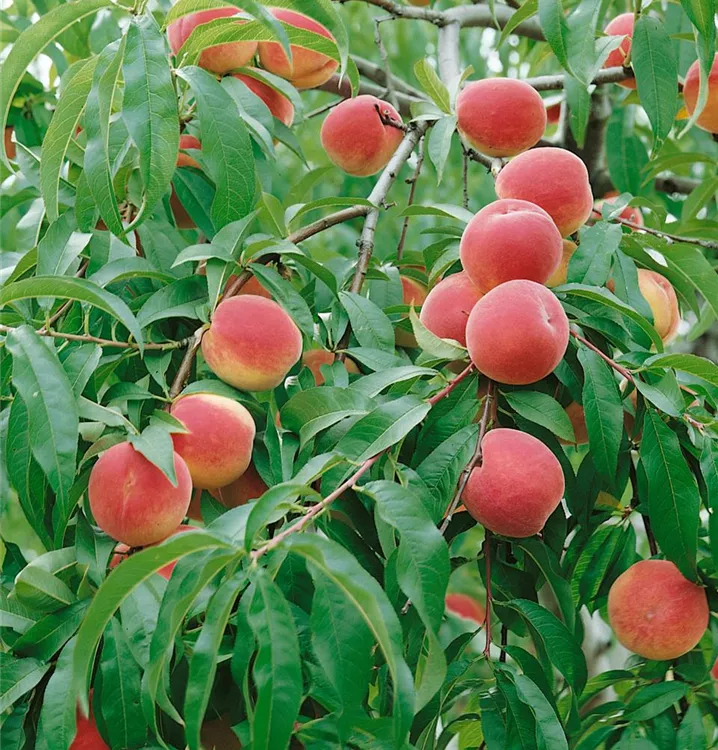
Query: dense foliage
[337, 594]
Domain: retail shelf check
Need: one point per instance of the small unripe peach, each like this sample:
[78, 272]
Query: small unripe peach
[132, 500]
[277, 103]
[560, 275]
[517, 333]
[249, 486]
[621, 25]
[510, 239]
[356, 138]
[308, 69]
[252, 343]
[578, 422]
[661, 297]
[447, 307]
[656, 612]
[500, 116]
[708, 118]
[466, 606]
[552, 178]
[218, 447]
[518, 485]
[220, 59]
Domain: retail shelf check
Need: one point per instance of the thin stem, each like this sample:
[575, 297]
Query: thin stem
[652, 545]
[86, 338]
[444, 392]
[186, 365]
[412, 192]
[65, 306]
[492, 163]
[465, 175]
[389, 82]
[489, 598]
[622, 370]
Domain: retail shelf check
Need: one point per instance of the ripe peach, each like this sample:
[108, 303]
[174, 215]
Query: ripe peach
[552, 178]
[578, 422]
[466, 606]
[315, 358]
[447, 307]
[661, 297]
[249, 486]
[308, 69]
[510, 239]
[355, 137]
[277, 103]
[87, 736]
[656, 612]
[518, 485]
[218, 447]
[220, 59]
[132, 500]
[553, 113]
[252, 343]
[122, 551]
[501, 116]
[708, 118]
[560, 275]
[413, 293]
[517, 333]
[187, 142]
[621, 25]
[629, 213]
[253, 286]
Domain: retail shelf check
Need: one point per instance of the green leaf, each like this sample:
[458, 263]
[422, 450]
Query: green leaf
[543, 410]
[656, 75]
[673, 498]
[691, 734]
[203, 662]
[60, 246]
[432, 344]
[52, 413]
[149, 108]
[690, 262]
[277, 668]
[626, 156]
[527, 9]
[373, 384]
[578, 100]
[691, 363]
[581, 40]
[370, 325]
[226, 147]
[58, 722]
[603, 412]
[555, 28]
[327, 558]
[439, 144]
[17, 677]
[47, 636]
[651, 700]
[61, 131]
[33, 40]
[432, 84]
[591, 263]
[180, 299]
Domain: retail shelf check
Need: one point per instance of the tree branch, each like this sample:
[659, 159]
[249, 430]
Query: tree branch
[87, 339]
[557, 82]
[378, 75]
[343, 89]
[412, 191]
[444, 392]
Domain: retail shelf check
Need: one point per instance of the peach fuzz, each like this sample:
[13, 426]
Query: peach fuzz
[517, 333]
[447, 307]
[656, 612]
[621, 25]
[518, 485]
[87, 736]
[277, 103]
[220, 59]
[465, 606]
[500, 116]
[315, 358]
[661, 297]
[576, 416]
[552, 178]
[218, 447]
[560, 275]
[251, 343]
[249, 486]
[708, 118]
[308, 69]
[355, 137]
[510, 239]
[132, 500]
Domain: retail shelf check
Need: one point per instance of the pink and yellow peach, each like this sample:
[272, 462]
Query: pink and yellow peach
[500, 116]
[447, 307]
[621, 25]
[87, 736]
[249, 486]
[313, 359]
[560, 275]
[656, 612]
[252, 343]
[133, 501]
[518, 485]
[708, 118]
[661, 297]
[277, 103]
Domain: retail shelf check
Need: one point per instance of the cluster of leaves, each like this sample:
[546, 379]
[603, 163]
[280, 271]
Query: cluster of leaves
[313, 640]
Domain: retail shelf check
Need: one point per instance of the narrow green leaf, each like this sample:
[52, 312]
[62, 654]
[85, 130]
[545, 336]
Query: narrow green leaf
[591, 263]
[543, 410]
[432, 84]
[370, 325]
[555, 28]
[17, 677]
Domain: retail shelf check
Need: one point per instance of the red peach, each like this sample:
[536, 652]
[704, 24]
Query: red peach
[510, 239]
[656, 612]
[132, 500]
[447, 307]
[517, 333]
[560, 275]
[708, 118]
[552, 178]
[249, 486]
[218, 447]
[220, 59]
[621, 25]
[553, 113]
[253, 286]
[188, 142]
[578, 422]
[315, 358]
[182, 218]
[518, 485]
[87, 736]
[413, 293]
[277, 103]
[355, 137]
[500, 116]
[661, 297]
[308, 69]
[252, 343]
[466, 606]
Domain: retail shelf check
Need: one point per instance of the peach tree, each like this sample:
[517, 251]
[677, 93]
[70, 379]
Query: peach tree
[405, 314]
